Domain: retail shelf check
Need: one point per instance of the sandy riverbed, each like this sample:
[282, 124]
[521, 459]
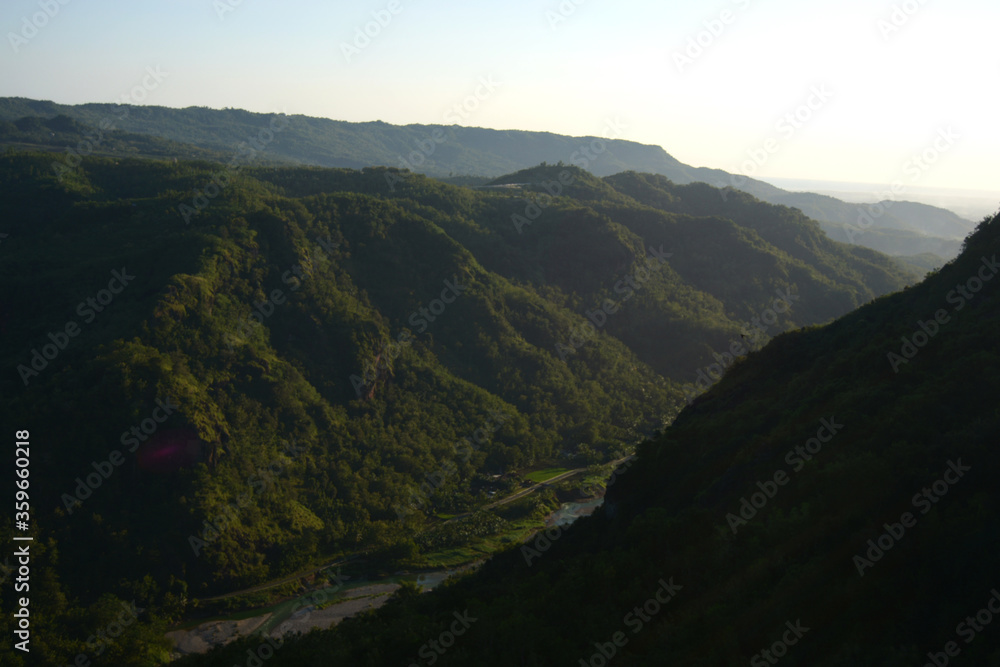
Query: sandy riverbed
[213, 633]
[219, 633]
[360, 599]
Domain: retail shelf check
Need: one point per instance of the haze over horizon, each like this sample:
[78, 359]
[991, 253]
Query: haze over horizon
[885, 80]
[541, 333]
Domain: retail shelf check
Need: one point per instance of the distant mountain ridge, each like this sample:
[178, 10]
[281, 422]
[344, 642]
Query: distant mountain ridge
[905, 228]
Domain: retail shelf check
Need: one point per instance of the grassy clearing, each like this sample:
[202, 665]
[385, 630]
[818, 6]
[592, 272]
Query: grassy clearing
[545, 474]
[483, 547]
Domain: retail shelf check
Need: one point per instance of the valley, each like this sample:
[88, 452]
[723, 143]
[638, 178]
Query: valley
[329, 395]
[329, 598]
[393, 334]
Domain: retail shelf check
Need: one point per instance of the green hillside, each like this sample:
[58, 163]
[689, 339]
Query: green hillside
[231, 373]
[830, 502]
[902, 228]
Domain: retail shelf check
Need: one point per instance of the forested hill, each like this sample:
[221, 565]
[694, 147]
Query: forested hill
[899, 228]
[232, 373]
[831, 502]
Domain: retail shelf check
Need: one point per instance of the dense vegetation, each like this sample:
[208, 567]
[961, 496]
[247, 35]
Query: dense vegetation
[899, 228]
[831, 501]
[71, 138]
[232, 373]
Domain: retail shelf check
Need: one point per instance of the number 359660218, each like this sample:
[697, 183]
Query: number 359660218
[22, 454]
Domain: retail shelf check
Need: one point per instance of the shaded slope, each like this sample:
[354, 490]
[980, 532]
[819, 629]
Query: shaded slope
[325, 338]
[878, 546]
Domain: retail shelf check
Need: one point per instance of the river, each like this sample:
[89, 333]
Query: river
[307, 612]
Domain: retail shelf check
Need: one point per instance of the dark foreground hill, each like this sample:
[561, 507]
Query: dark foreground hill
[229, 374]
[831, 502]
[900, 228]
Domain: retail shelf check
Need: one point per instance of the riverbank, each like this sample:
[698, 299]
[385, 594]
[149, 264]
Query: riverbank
[323, 606]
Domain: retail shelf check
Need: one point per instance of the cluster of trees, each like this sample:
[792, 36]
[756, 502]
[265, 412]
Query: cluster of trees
[898, 228]
[70, 138]
[879, 546]
[253, 317]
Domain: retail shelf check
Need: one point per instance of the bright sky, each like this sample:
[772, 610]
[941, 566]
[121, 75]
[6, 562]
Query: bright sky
[891, 89]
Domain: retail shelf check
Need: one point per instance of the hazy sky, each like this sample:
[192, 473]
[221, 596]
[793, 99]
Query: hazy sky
[886, 79]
